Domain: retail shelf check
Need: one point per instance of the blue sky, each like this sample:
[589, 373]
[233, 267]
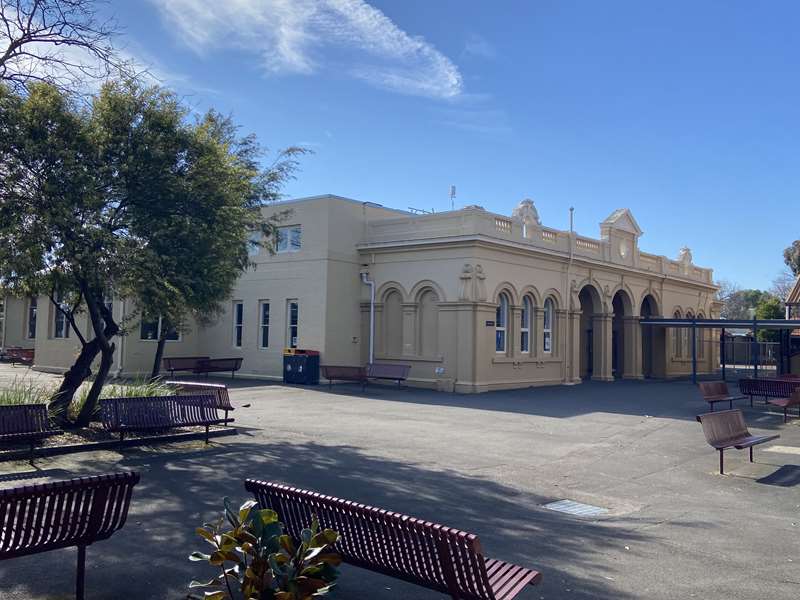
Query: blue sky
[688, 113]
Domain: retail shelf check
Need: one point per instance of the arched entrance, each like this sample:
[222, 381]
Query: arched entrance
[621, 351]
[652, 340]
[591, 346]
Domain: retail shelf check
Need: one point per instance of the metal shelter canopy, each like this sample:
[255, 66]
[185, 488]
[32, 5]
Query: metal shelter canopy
[723, 324]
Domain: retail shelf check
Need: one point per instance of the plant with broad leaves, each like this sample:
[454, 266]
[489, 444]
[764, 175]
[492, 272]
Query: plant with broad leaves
[258, 561]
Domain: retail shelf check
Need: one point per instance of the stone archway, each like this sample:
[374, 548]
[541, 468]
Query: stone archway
[653, 340]
[593, 335]
[623, 355]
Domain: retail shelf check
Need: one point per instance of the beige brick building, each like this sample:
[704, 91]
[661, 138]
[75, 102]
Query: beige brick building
[473, 300]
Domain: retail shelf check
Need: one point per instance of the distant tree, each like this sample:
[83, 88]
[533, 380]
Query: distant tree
[61, 42]
[791, 256]
[738, 303]
[769, 307]
[91, 197]
[782, 284]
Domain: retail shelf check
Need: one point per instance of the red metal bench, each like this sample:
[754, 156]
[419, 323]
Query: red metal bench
[22, 356]
[62, 514]
[398, 373]
[344, 373]
[786, 403]
[432, 556]
[146, 413]
[218, 365]
[181, 363]
[217, 391]
[727, 429]
[717, 391]
[768, 388]
[25, 423]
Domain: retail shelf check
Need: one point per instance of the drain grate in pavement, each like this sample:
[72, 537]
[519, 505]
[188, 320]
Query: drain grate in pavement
[577, 509]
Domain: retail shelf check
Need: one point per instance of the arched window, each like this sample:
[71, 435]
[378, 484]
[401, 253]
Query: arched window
[525, 325]
[393, 323]
[687, 337]
[501, 325]
[676, 337]
[701, 339]
[547, 327]
[428, 324]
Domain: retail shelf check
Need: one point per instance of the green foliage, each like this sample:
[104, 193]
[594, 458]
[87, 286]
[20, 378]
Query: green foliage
[769, 308]
[25, 391]
[258, 561]
[131, 389]
[791, 256]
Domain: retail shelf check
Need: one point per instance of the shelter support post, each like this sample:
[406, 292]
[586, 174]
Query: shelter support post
[694, 352]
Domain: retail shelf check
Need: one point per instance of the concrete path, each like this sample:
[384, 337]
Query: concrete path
[486, 464]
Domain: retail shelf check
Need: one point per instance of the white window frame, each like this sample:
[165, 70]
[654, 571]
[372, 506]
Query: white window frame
[501, 324]
[238, 323]
[159, 325]
[285, 236]
[32, 308]
[58, 316]
[547, 326]
[263, 328]
[525, 325]
[289, 326]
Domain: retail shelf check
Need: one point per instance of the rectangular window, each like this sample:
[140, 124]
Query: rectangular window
[500, 318]
[547, 327]
[292, 320]
[151, 329]
[525, 326]
[238, 323]
[288, 239]
[264, 325]
[32, 310]
[253, 244]
[60, 323]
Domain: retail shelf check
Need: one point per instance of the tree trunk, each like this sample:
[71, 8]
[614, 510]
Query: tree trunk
[162, 342]
[92, 400]
[79, 372]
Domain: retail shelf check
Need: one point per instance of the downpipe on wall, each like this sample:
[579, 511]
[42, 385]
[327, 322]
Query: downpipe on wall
[367, 281]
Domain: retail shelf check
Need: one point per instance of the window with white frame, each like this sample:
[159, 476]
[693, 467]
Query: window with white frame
[151, 329]
[238, 323]
[60, 322]
[288, 239]
[676, 337]
[547, 326]
[32, 310]
[292, 322]
[501, 324]
[525, 325]
[254, 243]
[264, 324]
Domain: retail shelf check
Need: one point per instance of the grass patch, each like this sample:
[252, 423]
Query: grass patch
[25, 391]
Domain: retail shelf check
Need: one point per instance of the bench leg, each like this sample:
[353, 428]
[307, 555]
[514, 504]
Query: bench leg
[721, 465]
[30, 458]
[80, 575]
[751, 454]
[206, 434]
[730, 405]
[751, 402]
[785, 415]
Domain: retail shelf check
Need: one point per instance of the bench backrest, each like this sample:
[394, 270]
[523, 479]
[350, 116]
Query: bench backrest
[775, 388]
[722, 426]
[394, 544]
[388, 371]
[182, 363]
[225, 364]
[153, 412]
[76, 512]
[217, 391]
[710, 389]
[24, 418]
[336, 371]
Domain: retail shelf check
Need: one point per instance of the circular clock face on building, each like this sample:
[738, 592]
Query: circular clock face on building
[624, 248]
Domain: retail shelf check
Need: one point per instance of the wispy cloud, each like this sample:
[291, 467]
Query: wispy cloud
[475, 113]
[477, 45]
[306, 36]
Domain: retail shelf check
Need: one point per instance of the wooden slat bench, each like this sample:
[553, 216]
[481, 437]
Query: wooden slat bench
[147, 413]
[25, 423]
[344, 373]
[398, 373]
[786, 403]
[23, 356]
[62, 514]
[432, 556]
[727, 429]
[181, 363]
[217, 391]
[717, 391]
[218, 365]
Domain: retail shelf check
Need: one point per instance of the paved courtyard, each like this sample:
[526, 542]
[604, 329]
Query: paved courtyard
[486, 464]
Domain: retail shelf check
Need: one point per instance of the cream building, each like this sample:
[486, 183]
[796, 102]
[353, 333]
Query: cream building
[473, 300]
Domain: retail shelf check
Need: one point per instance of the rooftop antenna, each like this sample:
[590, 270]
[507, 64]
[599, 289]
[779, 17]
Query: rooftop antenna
[452, 197]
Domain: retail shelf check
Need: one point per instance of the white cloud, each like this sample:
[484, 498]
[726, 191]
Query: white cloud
[305, 36]
[479, 46]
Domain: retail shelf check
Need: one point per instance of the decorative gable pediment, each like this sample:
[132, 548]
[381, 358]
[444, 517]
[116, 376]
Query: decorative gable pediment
[622, 220]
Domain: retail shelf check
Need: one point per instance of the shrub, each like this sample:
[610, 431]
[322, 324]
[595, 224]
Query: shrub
[26, 391]
[258, 561]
